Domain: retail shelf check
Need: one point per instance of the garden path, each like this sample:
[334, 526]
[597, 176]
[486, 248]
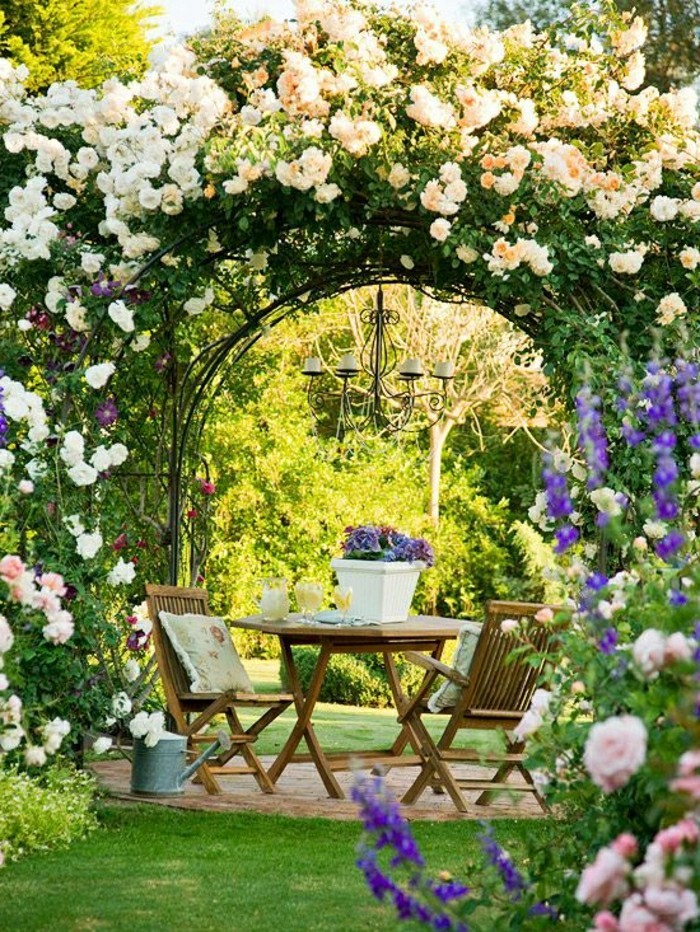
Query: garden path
[300, 793]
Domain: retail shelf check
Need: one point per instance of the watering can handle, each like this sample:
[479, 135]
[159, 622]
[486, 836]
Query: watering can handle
[223, 741]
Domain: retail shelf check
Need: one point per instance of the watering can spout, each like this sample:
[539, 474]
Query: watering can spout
[222, 742]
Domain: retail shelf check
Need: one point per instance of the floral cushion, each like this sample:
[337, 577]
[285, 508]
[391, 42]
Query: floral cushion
[204, 647]
[448, 694]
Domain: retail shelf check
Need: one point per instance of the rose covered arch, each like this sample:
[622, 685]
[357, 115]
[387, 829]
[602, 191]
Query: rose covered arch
[280, 163]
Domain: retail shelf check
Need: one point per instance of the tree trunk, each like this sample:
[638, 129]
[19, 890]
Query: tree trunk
[438, 435]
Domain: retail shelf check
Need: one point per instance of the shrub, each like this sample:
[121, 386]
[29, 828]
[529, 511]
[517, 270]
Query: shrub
[353, 679]
[44, 812]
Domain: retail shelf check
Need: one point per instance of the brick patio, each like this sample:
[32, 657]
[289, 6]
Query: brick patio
[300, 793]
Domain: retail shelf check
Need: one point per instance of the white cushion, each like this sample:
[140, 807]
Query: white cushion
[204, 647]
[448, 694]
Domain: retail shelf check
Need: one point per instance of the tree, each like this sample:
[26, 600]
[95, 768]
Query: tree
[498, 375]
[673, 46]
[86, 41]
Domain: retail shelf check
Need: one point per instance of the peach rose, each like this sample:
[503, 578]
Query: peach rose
[508, 625]
[544, 616]
[615, 750]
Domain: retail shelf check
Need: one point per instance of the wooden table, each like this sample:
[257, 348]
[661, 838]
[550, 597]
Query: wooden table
[419, 632]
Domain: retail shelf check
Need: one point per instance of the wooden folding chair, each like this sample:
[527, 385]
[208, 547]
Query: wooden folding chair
[194, 712]
[494, 695]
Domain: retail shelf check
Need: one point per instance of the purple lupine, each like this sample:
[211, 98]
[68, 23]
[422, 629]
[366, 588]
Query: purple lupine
[511, 877]
[382, 819]
[592, 438]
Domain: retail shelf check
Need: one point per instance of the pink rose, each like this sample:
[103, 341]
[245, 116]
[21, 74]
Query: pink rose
[648, 651]
[672, 904]
[11, 567]
[625, 845]
[544, 616]
[635, 917]
[604, 880]
[671, 838]
[615, 750]
[688, 763]
[677, 648]
[690, 785]
[508, 625]
[605, 922]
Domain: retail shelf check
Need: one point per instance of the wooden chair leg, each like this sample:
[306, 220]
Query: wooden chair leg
[434, 768]
[249, 755]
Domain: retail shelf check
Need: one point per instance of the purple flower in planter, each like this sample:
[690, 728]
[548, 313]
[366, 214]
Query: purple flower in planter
[107, 413]
[385, 544]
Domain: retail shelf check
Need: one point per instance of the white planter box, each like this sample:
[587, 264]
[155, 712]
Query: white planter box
[380, 591]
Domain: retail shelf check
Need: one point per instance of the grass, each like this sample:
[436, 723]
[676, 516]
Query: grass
[152, 868]
[339, 727]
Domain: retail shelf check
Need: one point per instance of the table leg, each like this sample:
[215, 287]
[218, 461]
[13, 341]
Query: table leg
[400, 701]
[303, 728]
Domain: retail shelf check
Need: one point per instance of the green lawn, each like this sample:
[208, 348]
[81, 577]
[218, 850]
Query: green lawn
[339, 727]
[150, 868]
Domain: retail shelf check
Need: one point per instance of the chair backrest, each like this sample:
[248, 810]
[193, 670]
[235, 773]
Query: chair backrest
[179, 601]
[497, 687]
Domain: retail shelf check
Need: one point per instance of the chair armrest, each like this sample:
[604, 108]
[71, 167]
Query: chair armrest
[436, 666]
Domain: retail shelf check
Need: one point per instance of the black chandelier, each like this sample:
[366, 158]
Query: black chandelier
[368, 396]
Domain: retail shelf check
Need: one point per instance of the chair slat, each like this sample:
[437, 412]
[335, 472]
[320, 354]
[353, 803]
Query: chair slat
[498, 693]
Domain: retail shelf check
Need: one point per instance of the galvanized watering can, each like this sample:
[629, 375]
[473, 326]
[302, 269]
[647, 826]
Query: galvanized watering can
[162, 769]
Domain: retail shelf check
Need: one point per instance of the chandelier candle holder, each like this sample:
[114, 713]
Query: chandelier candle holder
[372, 394]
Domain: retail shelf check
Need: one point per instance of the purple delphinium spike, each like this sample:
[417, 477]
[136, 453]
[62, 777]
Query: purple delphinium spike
[592, 438]
[566, 536]
[382, 820]
[608, 641]
[669, 545]
[513, 882]
[559, 504]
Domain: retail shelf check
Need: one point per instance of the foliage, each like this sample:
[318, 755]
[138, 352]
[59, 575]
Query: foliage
[285, 519]
[354, 679]
[672, 50]
[43, 813]
[539, 582]
[613, 739]
[85, 41]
